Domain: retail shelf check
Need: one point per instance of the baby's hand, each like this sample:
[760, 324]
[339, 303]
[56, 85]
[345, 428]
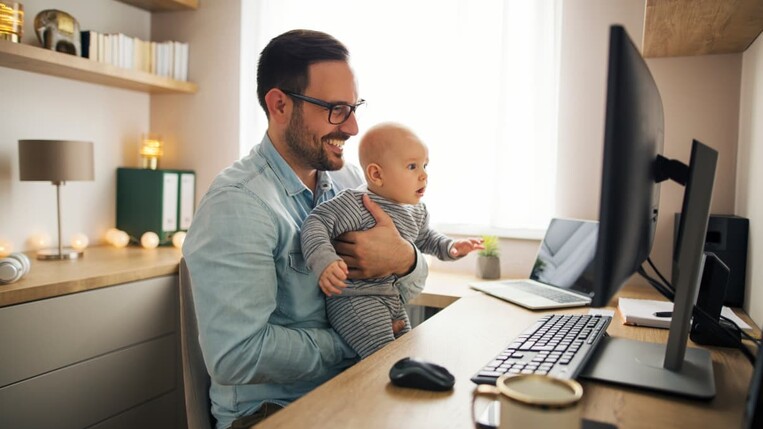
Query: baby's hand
[463, 247]
[332, 278]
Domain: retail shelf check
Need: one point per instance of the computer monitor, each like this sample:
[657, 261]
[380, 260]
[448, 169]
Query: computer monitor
[632, 170]
[630, 195]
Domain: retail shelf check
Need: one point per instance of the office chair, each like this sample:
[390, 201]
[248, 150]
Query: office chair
[196, 380]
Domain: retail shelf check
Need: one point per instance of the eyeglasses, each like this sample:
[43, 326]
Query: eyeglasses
[338, 112]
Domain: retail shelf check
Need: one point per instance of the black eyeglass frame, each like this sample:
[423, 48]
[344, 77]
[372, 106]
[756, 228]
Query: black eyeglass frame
[328, 106]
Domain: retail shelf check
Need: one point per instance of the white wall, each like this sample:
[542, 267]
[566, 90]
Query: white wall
[37, 106]
[700, 96]
[201, 130]
[749, 201]
[582, 95]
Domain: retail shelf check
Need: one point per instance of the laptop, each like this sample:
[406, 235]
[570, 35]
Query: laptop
[562, 275]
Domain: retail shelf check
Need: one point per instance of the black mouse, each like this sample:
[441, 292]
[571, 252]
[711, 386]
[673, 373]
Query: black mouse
[420, 374]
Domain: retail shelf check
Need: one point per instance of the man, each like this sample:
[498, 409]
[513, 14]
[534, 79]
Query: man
[262, 320]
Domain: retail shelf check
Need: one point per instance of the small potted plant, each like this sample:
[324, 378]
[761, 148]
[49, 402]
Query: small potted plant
[488, 262]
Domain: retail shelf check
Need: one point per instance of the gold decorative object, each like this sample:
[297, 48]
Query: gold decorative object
[151, 149]
[58, 31]
[11, 20]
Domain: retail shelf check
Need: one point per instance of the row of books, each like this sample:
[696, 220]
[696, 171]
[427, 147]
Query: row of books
[168, 59]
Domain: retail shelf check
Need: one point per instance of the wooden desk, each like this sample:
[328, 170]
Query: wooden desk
[443, 289]
[463, 337]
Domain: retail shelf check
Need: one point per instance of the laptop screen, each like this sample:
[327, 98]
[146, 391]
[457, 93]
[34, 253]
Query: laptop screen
[565, 257]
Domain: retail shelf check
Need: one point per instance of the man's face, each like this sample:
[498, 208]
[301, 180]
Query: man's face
[312, 140]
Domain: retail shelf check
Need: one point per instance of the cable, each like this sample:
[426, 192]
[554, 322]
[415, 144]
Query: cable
[661, 287]
[741, 331]
[669, 292]
[737, 342]
[664, 280]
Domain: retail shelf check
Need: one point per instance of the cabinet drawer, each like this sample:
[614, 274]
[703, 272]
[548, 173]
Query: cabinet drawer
[46, 335]
[161, 412]
[89, 392]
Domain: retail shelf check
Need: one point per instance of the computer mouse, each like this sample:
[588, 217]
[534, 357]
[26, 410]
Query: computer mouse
[420, 374]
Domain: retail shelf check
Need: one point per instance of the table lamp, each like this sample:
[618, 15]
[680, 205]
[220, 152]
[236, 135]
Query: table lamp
[56, 161]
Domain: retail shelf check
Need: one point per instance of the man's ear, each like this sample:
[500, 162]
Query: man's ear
[279, 108]
[374, 174]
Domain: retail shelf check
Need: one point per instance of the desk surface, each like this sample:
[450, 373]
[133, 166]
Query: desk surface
[463, 337]
[101, 266]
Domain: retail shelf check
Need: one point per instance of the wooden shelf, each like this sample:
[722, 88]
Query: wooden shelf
[163, 5]
[38, 60]
[700, 27]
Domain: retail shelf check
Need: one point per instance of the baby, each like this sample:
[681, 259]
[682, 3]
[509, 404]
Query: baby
[394, 162]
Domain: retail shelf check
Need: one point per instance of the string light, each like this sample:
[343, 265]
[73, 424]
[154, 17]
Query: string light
[149, 240]
[178, 238]
[117, 238]
[6, 248]
[39, 240]
[79, 241]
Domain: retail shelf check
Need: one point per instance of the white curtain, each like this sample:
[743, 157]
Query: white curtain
[476, 80]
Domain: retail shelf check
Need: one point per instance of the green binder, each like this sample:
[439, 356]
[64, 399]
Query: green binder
[162, 201]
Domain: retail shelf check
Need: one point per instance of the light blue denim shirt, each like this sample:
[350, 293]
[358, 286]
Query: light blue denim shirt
[262, 320]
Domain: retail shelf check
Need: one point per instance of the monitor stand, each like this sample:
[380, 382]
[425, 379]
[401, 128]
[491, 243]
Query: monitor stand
[640, 364]
[672, 368]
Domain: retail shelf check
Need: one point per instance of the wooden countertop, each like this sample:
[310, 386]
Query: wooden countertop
[463, 337]
[101, 266]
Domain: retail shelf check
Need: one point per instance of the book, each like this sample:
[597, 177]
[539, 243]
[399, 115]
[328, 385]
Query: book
[656, 314]
[85, 43]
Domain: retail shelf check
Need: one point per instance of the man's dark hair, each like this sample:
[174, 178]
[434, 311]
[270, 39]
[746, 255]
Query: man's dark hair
[285, 60]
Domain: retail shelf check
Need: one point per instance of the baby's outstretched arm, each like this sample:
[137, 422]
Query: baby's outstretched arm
[332, 278]
[463, 247]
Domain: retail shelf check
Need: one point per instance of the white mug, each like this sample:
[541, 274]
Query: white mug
[534, 401]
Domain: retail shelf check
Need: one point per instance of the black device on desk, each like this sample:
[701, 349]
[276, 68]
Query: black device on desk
[707, 326]
[632, 170]
[420, 374]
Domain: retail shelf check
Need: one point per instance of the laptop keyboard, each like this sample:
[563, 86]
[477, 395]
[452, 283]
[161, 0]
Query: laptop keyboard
[557, 345]
[549, 293]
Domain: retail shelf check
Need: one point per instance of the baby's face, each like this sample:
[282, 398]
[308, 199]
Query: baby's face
[405, 176]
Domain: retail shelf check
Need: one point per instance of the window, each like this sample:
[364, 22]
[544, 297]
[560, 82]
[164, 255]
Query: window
[476, 80]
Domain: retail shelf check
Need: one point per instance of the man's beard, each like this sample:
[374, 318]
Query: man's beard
[308, 148]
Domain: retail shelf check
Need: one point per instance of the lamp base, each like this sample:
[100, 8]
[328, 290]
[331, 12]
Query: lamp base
[67, 253]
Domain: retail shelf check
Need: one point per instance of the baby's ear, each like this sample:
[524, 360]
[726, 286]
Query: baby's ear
[374, 174]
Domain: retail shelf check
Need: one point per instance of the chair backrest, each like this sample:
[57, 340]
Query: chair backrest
[196, 380]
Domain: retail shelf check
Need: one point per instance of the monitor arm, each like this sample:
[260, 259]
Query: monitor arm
[673, 169]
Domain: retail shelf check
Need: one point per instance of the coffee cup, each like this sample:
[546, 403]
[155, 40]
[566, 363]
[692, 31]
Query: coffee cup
[534, 401]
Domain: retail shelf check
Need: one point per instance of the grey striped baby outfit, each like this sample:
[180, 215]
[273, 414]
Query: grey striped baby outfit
[364, 312]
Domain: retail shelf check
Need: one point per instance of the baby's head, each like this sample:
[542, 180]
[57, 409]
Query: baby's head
[394, 162]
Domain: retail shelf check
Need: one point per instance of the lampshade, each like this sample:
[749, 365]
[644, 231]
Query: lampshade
[55, 160]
